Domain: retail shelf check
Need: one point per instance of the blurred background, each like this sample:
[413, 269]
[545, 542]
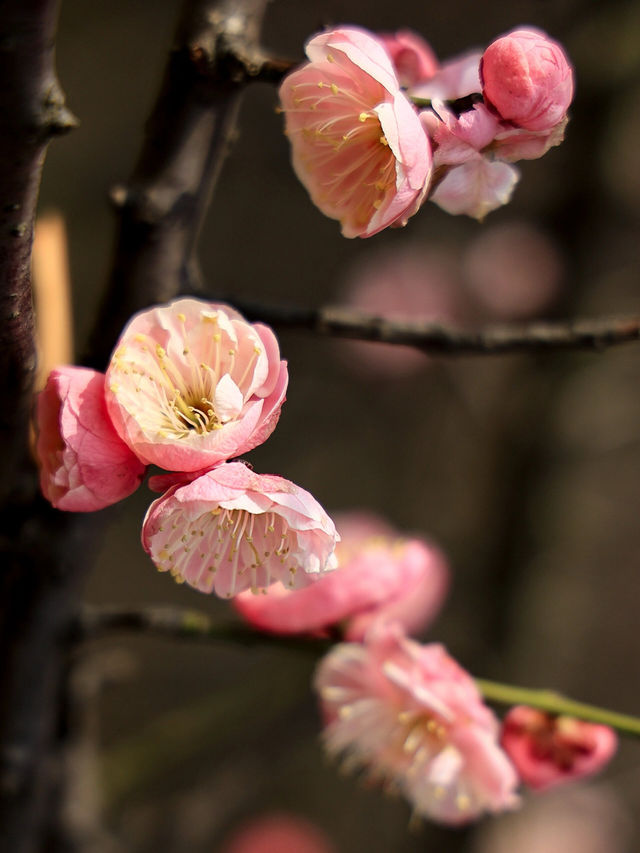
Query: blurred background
[525, 469]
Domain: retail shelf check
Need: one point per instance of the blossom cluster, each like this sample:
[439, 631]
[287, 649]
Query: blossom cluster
[407, 714]
[377, 125]
[190, 386]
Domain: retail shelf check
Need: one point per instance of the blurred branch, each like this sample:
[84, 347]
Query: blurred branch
[181, 623]
[161, 208]
[432, 338]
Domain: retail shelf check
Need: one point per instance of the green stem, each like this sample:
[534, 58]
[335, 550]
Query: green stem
[555, 703]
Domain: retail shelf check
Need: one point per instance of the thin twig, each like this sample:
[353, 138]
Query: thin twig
[435, 339]
[182, 623]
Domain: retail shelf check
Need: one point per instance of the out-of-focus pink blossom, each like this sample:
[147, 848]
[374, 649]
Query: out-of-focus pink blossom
[413, 59]
[84, 465]
[456, 78]
[357, 143]
[403, 285]
[232, 529]
[548, 750]
[380, 577]
[528, 79]
[193, 383]
[413, 718]
[508, 288]
[278, 833]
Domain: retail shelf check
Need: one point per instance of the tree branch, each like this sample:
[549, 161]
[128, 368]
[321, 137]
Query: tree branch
[32, 111]
[161, 208]
[580, 334]
[44, 552]
[182, 623]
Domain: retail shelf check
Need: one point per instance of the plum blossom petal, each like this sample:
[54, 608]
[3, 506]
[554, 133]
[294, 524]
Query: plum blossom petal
[84, 465]
[413, 59]
[413, 718]
[192, 384]
[516, 143]
[380, 576]
[231, 529]
[456, 78]
[527, 79]
[548, 750]
[357, 143]
[476, 187]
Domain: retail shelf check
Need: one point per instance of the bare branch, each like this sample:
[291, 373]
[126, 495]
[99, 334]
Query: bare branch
[581, 334]
[162, 206]
[44, 552]
[181, 623]
[32, 111]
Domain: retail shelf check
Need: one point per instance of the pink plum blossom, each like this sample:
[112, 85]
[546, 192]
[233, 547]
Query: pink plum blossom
[413, 59]
[471, 182]
[380, 577]
[84, 465]
[527, 79]
[508, 288]
[357, 143]
[192, 384]
[414, 719]
[232, 529]
[548, 750]
[278, 833]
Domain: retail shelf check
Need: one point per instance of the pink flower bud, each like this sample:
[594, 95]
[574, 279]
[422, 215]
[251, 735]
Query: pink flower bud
[232, 529]
[84, 465]
[357, 143]
[413, 59]
[380, 577]
[528, 79]
[413, 718]
[548, 750]
[192, 383]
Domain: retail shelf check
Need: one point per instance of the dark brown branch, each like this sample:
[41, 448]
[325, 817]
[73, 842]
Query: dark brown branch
[32, 111]
[162, 206]
[46, 554]
[580, 334]
[181, 623]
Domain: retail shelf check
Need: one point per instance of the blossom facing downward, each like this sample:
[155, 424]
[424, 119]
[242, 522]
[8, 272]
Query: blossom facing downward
[548, 750]
[527, 79]
[413, 718]
[192, 384]
[357, 143]
[232, 529]
[381, 576]
[84, 465]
